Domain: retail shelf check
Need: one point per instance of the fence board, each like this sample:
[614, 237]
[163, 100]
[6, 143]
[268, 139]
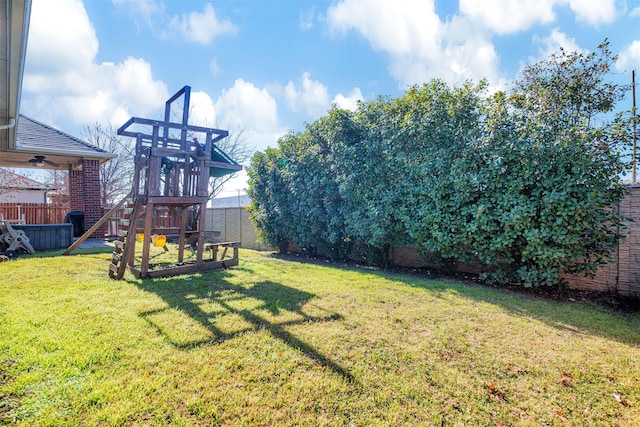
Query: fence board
[34, 213]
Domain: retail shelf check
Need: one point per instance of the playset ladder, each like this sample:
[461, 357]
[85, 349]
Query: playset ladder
[124, 250]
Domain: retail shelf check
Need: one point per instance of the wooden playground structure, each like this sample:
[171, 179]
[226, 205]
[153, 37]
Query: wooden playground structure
[172, 171]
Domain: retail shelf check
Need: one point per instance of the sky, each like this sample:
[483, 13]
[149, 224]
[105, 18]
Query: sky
[261, 68]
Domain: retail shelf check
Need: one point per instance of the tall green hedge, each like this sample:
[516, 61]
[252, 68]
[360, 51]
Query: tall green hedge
[526, 182]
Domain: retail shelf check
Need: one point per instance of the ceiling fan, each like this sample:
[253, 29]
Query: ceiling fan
[40, 161]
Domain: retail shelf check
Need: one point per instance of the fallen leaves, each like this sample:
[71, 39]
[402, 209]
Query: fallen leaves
[567, 379]
[619, 399]
[495, 394]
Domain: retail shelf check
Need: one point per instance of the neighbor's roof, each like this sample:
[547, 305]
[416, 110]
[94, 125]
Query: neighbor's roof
[10, 180]
[239, 201]
[35, 135]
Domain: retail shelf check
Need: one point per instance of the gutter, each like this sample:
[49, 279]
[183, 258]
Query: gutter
[18, 17]
[12, 123]
[68, 153]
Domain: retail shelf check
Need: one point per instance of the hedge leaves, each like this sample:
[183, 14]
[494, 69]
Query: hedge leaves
[524, 182]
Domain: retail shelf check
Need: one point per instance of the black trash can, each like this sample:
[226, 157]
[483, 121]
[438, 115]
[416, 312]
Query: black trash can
[77, 219]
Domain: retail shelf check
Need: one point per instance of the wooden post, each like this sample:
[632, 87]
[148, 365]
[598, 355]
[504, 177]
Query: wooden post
[184, 217]
[128, 253]
[146, 242]
[201, 227]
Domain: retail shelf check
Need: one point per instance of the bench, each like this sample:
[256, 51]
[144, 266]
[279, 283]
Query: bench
[215, 248]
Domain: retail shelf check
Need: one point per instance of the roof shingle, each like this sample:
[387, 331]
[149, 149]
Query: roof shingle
[31, 134]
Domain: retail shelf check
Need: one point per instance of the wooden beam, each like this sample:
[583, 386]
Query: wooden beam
[146, 242]
[206, 265]
[95, 226]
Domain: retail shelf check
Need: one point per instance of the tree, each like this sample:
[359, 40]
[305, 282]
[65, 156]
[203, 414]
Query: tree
[236, 147]
[526, 182]
[116, 175]
[551, 172]
[370, 178]
[271, 206]
[568, 89]
[295, 193]
[435, 127]
[312, 162]
[58, 179]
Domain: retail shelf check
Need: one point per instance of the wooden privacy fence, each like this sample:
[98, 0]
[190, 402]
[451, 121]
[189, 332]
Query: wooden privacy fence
[34, 213]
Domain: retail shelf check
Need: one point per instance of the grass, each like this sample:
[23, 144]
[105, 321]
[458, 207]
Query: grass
[280, 342]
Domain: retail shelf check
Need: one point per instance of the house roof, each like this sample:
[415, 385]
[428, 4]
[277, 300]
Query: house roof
[239, 201]
[33, 134]
[34, 138]
[13, 181]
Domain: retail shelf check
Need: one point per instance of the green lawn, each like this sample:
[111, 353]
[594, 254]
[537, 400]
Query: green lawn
[277, 342]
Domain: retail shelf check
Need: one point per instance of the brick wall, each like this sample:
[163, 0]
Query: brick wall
[76, 196]
[622, 276]
[84, 193]
[405, 256]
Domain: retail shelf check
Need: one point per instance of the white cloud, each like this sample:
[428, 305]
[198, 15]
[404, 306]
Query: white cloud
[198, 27]
[594, 12]
[401, 27]
[635, 12]
[214, 67]
[246, 105]
[142, 11]
[552, 44]
[202, 27]
[311, 99]
[202, 111]
[305, 19]
[467, 52]
[508, 16]
[251, 110]
[420, 46]
[62, 81]
[629, 57]
[60, 36]
[512, 16]
[349, 102]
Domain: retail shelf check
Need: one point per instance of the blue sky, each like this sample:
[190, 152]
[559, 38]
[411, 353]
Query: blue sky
[268, 66]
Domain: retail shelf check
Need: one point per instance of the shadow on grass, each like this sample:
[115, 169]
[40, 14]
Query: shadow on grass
[207, 301]
[581, 318]
[568, 316]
